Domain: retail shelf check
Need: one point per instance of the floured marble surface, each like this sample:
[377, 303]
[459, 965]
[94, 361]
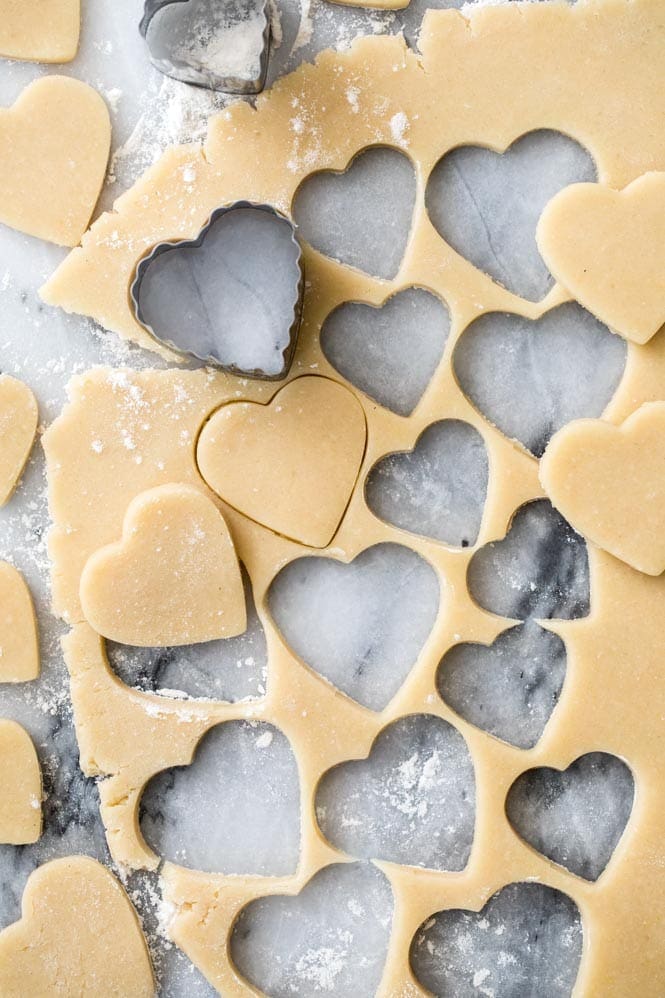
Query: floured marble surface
[45, 347]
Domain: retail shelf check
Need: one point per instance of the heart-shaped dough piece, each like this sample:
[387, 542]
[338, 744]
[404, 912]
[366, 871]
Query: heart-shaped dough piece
[54, 144]
[173, 579]
[78, 935]
[20, 788]
[609, 483]
[18, 425]
[607, 248]
[47, 31]
[290, 465]
[19, 645]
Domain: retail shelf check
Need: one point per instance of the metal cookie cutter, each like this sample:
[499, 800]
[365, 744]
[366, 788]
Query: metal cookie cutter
[218, 44]
[232, 297]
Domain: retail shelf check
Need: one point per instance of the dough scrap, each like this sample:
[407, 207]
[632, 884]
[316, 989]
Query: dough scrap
[18, 424]
[40, 31]
[609, 483]
[55, 142]
[19, 641]
[20, 788]
[78, 935]
[607, 247]
[173, 579]
[292, 464]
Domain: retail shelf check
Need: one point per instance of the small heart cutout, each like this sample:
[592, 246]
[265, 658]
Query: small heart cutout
[234, 810]
[412, 801]
[338, 929]
[18, 426]
[508, 688]
[438, 489]
[290, 465]
[525, 943]
[388, 600]
[607, 247]
[369, 346]
[19, 640]
[531, 377]
[20, 788]
[78, 935]
[539, 570]
[44, 32]
[173, 579]
[486, 204]
[575, 817]
[339, 213]
[231, 297]
[56, 141]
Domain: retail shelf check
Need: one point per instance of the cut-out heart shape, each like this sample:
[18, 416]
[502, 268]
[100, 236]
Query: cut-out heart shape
[531, 377]
[608, 482]
[19, 643]
[508, 688]
[575, 817]
[606, 247]
[234, 810]
[540, 569]
[290, 465]
[222, 46]
[390, 352]
[173, 579]
[44, 32]
[412, 801]
[486, 204]
[56, 140]
[338, 213]
[78, 935]
[18, 425]
[20, 787]
[361, 625]
[231, 297]
[525, 943]
[338, 929]
[438, 489]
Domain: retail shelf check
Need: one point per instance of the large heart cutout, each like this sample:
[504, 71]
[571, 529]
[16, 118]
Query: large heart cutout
[389, 352]
[173, 578]
[20, 787]
[343, 214]
[608, 482]
[607, 248]
[531, 377]
[526, 941]
[78, 935]
[486, 205]
[438, 489]
[388, 599]
[539, 570]
[575, 817]
[19, 641]
[412, 801]
[18, 425]
[290, 465]
[44, 32]
[508, 688]
[234, 810]
[56, 140]
[338, 929]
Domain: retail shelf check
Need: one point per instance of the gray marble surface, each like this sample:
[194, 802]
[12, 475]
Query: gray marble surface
[331, 940]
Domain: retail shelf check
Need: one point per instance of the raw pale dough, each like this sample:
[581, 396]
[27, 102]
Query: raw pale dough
[607, 248]
[595, 71]
[609, 483]
[18, 425]
[20, 788]
[292, 464]
[173, 579]
[19, 641]
[41, 30]
[78, 936]
[54, 147]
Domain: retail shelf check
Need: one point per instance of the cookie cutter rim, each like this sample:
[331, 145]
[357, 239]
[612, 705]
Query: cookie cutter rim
[196, 243]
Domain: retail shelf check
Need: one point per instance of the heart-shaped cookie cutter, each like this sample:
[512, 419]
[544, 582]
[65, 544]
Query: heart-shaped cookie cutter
[296, 266]
[192, 62]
